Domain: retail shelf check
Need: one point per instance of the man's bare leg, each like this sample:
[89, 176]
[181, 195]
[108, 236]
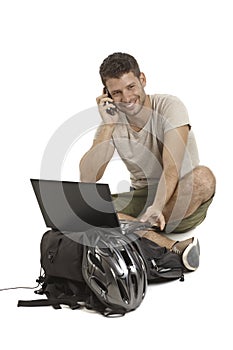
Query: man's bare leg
[193, 190]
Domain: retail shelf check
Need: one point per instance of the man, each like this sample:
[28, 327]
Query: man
[153, 136]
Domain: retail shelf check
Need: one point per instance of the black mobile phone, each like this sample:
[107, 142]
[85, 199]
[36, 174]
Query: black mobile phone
[109, 110]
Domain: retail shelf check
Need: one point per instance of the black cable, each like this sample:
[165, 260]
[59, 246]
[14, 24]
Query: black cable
[10, 288]
[3, 289]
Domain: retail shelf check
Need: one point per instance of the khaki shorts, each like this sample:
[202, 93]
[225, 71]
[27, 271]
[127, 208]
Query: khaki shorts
[135, 202]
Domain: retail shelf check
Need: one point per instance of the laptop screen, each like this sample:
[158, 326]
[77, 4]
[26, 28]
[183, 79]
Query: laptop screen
[75, 206]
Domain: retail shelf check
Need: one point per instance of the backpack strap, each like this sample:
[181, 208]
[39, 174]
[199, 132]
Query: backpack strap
[55, 302]
[73, 304]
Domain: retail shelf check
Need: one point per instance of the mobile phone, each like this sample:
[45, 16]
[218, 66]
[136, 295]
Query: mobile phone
[110, 110]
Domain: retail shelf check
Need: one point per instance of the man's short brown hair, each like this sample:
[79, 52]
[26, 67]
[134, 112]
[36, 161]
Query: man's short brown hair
[117, 64]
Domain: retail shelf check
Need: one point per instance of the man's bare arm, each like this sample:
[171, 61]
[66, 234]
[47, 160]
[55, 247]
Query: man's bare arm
[95, 161]
[173, 153]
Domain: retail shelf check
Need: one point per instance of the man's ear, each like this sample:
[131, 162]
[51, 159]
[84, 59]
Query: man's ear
[142, 79]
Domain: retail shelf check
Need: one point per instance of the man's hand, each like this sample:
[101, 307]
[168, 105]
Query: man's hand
[104, 102]
[154, 217]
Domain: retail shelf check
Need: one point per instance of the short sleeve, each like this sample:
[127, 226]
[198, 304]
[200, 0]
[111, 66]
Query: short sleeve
[173, 114]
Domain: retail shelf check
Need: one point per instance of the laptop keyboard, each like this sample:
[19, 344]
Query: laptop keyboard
[132, 226]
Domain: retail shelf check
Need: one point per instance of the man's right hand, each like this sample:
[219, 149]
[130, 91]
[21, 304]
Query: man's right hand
[104, 102]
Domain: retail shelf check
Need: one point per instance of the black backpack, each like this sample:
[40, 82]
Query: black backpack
[63, 283]
[162, 265]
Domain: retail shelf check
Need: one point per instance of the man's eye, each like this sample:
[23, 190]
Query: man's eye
[115, 93]
[131, 86]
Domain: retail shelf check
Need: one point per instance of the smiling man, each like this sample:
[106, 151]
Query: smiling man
[153, 136]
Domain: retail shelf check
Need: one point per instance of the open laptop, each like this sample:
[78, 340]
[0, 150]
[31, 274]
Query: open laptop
[78, 206]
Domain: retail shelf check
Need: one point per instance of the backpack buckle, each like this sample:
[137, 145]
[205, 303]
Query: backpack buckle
[154, 265]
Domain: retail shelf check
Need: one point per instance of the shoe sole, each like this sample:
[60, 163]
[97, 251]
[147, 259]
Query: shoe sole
[191, 255]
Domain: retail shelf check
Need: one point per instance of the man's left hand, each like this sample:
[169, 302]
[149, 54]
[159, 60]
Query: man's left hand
[154, 217]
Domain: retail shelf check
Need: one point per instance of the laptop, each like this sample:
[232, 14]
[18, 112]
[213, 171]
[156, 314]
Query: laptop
[79, 206]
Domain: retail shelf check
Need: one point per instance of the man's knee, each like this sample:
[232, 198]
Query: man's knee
[205, 181]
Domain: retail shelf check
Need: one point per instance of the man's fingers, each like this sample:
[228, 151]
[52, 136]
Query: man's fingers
[162, 223]
[154, 221]
[143, 218]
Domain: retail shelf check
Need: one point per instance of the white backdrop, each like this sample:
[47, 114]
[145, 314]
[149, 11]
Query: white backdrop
[50, 56]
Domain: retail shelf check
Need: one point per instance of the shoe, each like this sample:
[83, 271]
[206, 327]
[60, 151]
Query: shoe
[189, 251]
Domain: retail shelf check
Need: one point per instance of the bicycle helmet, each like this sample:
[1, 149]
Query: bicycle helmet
[114, 270]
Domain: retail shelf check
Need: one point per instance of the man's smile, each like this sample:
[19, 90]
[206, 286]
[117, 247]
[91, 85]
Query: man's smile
[128, 105]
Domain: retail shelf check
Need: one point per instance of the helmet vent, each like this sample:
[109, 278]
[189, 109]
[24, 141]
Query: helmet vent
[100, 285]
[123, 292]
[126, 258]
[134, 283]
[95, 261]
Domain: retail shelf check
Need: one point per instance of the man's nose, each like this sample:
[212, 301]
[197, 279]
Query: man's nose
[126, 96]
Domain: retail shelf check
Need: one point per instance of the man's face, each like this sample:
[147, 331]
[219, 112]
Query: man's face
[128, 92]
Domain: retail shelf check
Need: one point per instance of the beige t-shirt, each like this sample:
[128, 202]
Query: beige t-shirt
[142, 151]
